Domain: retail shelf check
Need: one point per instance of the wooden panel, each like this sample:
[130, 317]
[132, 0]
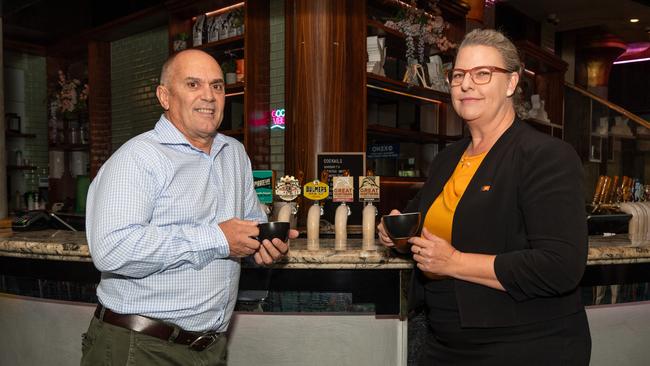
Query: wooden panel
[353, 82]
[326, 93]
[454, 13]
[99, 103]
[256, 75]
[549, 77]
[551, 88]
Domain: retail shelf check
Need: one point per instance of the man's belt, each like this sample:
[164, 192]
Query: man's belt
[157, 328]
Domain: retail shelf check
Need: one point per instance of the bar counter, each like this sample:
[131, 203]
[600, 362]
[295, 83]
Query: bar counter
[72, 246]
[353, 301]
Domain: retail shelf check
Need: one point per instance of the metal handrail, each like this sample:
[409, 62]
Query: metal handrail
[610, 105]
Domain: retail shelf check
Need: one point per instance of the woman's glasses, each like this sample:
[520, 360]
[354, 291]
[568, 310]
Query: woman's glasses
[480, 75]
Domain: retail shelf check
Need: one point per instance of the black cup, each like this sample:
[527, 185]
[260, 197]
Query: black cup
[273, 229]
[402, 227]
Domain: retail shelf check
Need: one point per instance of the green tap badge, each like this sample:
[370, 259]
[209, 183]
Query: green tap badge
[263, 182]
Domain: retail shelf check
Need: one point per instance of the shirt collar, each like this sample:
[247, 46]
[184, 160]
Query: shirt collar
[170, 135]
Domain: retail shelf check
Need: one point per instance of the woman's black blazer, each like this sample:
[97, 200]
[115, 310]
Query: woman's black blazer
[525, 204]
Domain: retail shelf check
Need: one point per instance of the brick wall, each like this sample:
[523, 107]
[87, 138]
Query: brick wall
[276, 22]
[135, 70]
[31, 105]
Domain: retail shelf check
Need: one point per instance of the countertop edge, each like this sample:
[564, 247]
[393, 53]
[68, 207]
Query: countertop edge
[72, 246]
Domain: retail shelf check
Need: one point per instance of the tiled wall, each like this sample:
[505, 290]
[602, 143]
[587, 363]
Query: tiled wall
[26, 95]
[277, 101]
[135, 70]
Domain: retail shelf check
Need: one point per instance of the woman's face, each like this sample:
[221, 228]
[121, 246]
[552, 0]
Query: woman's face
[478, 104]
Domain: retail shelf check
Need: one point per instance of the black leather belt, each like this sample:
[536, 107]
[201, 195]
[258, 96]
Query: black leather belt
[157, 328]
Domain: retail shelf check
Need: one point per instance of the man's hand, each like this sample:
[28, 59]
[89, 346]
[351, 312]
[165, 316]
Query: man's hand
[270, 252]
[240, 234]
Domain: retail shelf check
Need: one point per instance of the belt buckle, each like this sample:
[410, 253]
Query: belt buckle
[203, 341]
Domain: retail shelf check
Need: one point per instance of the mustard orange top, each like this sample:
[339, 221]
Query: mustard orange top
[440, 215]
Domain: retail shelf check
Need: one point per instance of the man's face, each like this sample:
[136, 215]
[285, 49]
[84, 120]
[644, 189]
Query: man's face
[193, 96]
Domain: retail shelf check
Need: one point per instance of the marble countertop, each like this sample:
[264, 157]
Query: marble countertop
[47, 244]
[72, 246]
[617, 249]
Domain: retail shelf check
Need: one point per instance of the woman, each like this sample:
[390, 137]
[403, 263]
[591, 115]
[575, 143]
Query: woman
[504, 238]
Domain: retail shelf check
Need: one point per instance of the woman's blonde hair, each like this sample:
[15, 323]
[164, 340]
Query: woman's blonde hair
[497, 40]
[505, 47]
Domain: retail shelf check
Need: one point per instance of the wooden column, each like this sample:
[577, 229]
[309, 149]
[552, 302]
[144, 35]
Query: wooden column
[257, 69]
[476, 10]
[325, 80]
[99, 103]
[3, 143]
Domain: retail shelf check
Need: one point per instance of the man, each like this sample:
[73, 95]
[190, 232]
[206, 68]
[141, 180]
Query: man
[169, 216]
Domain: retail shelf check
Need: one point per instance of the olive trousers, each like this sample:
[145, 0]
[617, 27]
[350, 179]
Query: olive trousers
[108, 345]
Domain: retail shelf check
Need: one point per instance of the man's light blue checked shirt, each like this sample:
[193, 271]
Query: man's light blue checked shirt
[152, 227]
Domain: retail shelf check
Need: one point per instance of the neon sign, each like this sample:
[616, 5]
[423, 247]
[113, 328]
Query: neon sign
[277, 116]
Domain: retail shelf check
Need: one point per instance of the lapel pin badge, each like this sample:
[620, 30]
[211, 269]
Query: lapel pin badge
[485, 188]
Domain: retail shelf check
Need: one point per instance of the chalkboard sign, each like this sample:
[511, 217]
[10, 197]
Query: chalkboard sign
[335, 163]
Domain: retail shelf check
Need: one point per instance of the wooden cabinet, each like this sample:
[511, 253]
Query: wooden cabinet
[544, 75]
[246, 113]
[408, 124]
[412, 122]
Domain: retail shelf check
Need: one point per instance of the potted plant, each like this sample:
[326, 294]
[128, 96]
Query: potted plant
[180, 41]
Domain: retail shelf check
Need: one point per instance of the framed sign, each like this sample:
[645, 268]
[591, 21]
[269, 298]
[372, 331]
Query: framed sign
[335, 163]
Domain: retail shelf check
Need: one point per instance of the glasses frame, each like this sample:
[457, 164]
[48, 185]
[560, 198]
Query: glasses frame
[471, 71]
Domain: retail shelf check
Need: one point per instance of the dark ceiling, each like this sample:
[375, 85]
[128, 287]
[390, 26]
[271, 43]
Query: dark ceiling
[44, 22]
[612, 16]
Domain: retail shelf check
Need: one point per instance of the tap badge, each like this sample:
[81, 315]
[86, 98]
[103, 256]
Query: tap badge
[369, 188]
[262, 181]
[343, 189]
[316, 190]
[288, 188]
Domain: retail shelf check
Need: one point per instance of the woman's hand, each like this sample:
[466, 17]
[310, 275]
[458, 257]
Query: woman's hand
[384, 239]
[434, 255]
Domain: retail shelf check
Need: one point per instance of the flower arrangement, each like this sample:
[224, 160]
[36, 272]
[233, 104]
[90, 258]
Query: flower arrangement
[425, 28]
[71, 96]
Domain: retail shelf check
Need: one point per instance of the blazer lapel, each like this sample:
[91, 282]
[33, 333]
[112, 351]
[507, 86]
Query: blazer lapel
[436, 183]
[481, 182]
